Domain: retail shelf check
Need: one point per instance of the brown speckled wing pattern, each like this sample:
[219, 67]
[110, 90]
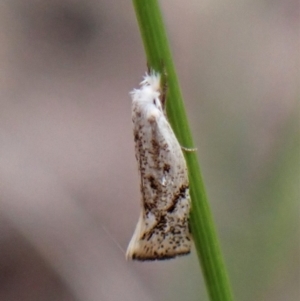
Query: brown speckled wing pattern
[162, 231]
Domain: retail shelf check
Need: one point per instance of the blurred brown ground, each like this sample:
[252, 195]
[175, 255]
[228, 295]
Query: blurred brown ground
[68, 176]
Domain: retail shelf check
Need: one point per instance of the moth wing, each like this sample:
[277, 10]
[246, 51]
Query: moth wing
[162, 230]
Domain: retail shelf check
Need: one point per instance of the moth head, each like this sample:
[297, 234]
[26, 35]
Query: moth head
[152, 80]
[149, 92]
[145, 95]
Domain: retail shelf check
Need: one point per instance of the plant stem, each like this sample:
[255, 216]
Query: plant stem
[159, 58]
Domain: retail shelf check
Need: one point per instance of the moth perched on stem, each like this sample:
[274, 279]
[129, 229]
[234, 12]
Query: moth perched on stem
[162, 231]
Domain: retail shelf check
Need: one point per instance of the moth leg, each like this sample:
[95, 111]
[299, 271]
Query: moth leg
[164, 87]
[164, 94]
[148, 68]
[189, 149]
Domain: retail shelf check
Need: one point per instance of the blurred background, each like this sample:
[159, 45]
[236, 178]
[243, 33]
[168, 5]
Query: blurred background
[69, 187]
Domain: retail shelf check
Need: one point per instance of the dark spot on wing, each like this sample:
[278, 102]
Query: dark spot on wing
[152, 181]
[156, 147]
[166, 168]
[179, 195]
[136, 136]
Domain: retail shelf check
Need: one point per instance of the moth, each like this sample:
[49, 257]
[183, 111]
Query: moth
[162, 231]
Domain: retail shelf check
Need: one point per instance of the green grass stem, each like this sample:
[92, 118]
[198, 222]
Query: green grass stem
[203, 230]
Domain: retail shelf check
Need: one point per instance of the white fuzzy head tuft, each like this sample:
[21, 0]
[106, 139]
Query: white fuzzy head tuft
[152, 80]
[150, 89]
